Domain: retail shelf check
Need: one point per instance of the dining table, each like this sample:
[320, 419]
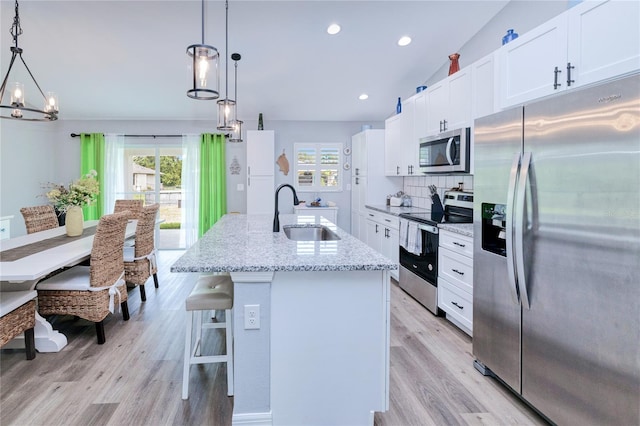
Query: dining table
[27, 259]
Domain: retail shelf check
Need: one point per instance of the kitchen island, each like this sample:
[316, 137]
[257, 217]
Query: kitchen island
[321, 354]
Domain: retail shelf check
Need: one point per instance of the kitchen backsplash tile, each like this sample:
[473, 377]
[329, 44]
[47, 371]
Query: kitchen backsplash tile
[417, 187]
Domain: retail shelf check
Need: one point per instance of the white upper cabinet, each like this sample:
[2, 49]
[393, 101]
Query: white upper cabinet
[260, 171]
[590, 42]
[483, 87]
[401, 144]
[395, 130]
[448, 103]
[604, 40]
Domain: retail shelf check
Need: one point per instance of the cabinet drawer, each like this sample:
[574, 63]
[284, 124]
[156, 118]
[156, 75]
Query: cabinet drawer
[457, 243]
[388, 220]
[456, 268]
[456, 303]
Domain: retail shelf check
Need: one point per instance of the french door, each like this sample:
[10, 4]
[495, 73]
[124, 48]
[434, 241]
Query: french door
[152, 172]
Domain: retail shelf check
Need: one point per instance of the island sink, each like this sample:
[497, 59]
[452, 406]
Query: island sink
[310, 233]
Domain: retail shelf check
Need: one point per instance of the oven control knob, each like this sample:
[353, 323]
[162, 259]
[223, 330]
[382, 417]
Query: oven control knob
[430, 266]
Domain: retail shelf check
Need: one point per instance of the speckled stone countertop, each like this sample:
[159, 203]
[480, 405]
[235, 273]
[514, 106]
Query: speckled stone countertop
[246, 243]
[396, 211]
[458, 228]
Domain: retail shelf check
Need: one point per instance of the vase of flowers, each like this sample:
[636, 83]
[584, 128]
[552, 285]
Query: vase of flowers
[70, 200]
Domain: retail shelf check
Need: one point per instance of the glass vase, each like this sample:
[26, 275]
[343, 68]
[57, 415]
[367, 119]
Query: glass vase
[454, 66]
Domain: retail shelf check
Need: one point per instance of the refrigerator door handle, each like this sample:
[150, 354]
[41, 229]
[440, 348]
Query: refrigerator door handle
[511, 269]
[519, 228]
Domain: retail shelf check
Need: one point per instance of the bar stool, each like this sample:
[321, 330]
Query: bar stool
[211, 293]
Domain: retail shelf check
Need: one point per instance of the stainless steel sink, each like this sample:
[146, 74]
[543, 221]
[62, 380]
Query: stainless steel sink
[310, 233]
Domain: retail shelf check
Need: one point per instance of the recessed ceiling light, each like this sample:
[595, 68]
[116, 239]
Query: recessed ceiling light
[404, 40]
[363, 97]
[333, 29]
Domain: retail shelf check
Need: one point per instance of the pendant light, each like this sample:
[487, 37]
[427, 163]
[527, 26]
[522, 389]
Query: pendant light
[17, 108]
[204, 64]
[226, 106]
[235, 135]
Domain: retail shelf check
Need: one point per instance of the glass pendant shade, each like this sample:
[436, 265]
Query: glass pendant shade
[235, 135]
[226, 114]
[204, 62]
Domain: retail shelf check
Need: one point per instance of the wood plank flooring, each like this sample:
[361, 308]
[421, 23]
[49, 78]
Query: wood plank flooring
[135, 378]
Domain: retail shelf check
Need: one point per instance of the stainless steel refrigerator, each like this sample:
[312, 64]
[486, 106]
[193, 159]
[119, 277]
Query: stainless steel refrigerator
[556, 304]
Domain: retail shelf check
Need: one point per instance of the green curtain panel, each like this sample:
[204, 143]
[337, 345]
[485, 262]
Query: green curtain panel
[92, 158]
[213, 183]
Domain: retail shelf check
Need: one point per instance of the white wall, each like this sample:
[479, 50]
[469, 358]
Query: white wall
[32, 154]
[520, 15]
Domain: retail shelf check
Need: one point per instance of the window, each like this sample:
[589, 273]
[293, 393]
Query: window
[317, 167]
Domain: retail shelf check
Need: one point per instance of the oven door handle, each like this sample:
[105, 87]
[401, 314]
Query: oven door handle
[429, 228]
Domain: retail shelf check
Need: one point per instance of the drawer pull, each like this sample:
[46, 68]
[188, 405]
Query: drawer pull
[457, 306]
[458, 244]
[457, 272]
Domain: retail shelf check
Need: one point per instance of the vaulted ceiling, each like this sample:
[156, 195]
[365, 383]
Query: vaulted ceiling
[127, 60]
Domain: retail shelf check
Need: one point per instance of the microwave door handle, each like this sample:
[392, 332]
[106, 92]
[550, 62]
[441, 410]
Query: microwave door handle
[511, 269]
[448, 151]
[519, 228]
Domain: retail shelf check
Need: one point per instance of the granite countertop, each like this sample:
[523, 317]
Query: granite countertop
[458, 228]
[396, 211]
[246, 243]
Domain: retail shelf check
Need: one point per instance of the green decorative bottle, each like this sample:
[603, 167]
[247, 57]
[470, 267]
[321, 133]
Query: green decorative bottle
[260, 124]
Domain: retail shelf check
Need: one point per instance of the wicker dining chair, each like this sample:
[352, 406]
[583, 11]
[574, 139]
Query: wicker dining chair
[89, 292]
[39, 218]
[18, 315]
[140, 260]
[132, 206]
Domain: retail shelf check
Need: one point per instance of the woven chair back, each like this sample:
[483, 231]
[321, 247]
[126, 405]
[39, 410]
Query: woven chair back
[39, 218]
[107, 253]
[145, 230]
[134, 207]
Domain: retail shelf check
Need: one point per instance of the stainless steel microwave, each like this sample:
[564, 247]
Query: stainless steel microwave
[446, 152]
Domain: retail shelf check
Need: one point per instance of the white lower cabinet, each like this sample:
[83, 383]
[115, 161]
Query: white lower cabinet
[383, 235]
[455, 279]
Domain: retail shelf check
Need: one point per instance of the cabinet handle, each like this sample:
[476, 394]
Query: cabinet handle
[457, 306]
[376, 228]
[440, 128]
[370, 215]
[397, 170]
[388, 220]
[249, 170]
[458, 272]
[248, 180]
[357, 181]
[555, 78]
[569, 68]
[458, 244]
[444, 125]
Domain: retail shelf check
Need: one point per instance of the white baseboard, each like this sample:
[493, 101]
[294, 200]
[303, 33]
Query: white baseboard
[253, 419]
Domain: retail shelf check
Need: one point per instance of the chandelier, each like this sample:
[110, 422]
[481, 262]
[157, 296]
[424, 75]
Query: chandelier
[17, 108]
[236, 133]
[226, 106]
[204, 64]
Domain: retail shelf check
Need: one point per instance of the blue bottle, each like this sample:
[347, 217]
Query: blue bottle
[509, 36]
[399, 106]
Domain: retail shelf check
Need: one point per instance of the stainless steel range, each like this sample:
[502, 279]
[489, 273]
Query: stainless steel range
[419, 241]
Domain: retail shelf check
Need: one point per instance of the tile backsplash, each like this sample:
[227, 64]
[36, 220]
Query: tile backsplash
[418, 187]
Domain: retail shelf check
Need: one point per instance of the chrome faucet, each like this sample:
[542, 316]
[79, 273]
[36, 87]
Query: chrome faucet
[276, 220]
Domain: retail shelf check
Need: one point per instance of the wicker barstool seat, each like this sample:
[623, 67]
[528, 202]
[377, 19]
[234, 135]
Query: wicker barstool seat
[18, 315]
[211, 293]
[39, 218]
[90, 292]
[140, 260]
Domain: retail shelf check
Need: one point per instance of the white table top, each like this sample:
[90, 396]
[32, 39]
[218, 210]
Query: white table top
[42, 263]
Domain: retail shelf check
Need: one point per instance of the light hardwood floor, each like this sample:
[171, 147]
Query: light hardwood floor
[135, 378]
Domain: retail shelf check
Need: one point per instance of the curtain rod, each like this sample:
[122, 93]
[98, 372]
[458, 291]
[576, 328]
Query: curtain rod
[75, 135]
